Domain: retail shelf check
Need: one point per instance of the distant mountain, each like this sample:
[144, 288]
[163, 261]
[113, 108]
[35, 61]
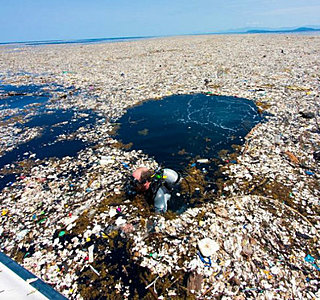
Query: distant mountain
[300, 29]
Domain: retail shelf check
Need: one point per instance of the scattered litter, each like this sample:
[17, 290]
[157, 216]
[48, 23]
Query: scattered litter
[264, 219]
[309, 173]
[105, 160]
[94, 270]
[22, 234]
[206, 260]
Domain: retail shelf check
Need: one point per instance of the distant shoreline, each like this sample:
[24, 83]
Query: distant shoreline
[76, 41]
[297, 31]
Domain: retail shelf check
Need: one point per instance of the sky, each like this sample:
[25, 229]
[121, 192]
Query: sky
[33, 20]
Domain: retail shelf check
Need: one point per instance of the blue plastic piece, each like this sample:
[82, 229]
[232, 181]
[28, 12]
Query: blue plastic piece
[309, 173]
[125, 165]
[311, 260]
[207, 263]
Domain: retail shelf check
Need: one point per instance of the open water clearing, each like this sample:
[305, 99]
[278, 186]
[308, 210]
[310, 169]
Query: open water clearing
[180, 129]
[24, 108]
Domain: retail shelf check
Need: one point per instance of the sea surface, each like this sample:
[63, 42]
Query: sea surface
[128, 39]
[180, 129]
[25, 107]
[77, 41]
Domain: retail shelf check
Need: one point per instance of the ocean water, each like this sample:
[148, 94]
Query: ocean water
[180, 129]
[53, 123]
[127, 39]
[77, 41]
[21, 96]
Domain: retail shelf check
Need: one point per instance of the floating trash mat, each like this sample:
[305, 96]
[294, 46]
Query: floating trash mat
[53, 124]
[37, 132]
[181, 129]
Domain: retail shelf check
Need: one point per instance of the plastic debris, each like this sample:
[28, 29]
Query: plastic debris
[208, 247]
[292, 157]
[203, 161]
[105, 160]
[312, 261]
[94, 270]
[269, 201]
[309, 173]
[206, 260]
[90, 249]
[125, 165]
[22, 234]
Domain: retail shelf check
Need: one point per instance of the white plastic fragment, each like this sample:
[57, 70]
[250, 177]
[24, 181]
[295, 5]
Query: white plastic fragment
[203, 161]
[90, 249]
[94, 270]
[208, 247]
[31, 280]
[22, 234]
[105, 160]
[120, 221]
[112, 212]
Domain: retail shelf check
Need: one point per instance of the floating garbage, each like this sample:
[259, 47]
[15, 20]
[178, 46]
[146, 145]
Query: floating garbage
[264, 214]
[105, 160]
[90, 260]
[22, 234]
[312, 261]
[208, 247]
[203, 161]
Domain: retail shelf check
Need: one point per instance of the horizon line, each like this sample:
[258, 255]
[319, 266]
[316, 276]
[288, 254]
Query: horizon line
[249, 30]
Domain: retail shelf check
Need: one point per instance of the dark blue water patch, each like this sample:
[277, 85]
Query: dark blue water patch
[47, 145]
[20, 96]
[21, 88]
[50, 118]
[12, 97]
[180, 128]
[21, 101]
[54, 124]
[6, 180]
[61, 149]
